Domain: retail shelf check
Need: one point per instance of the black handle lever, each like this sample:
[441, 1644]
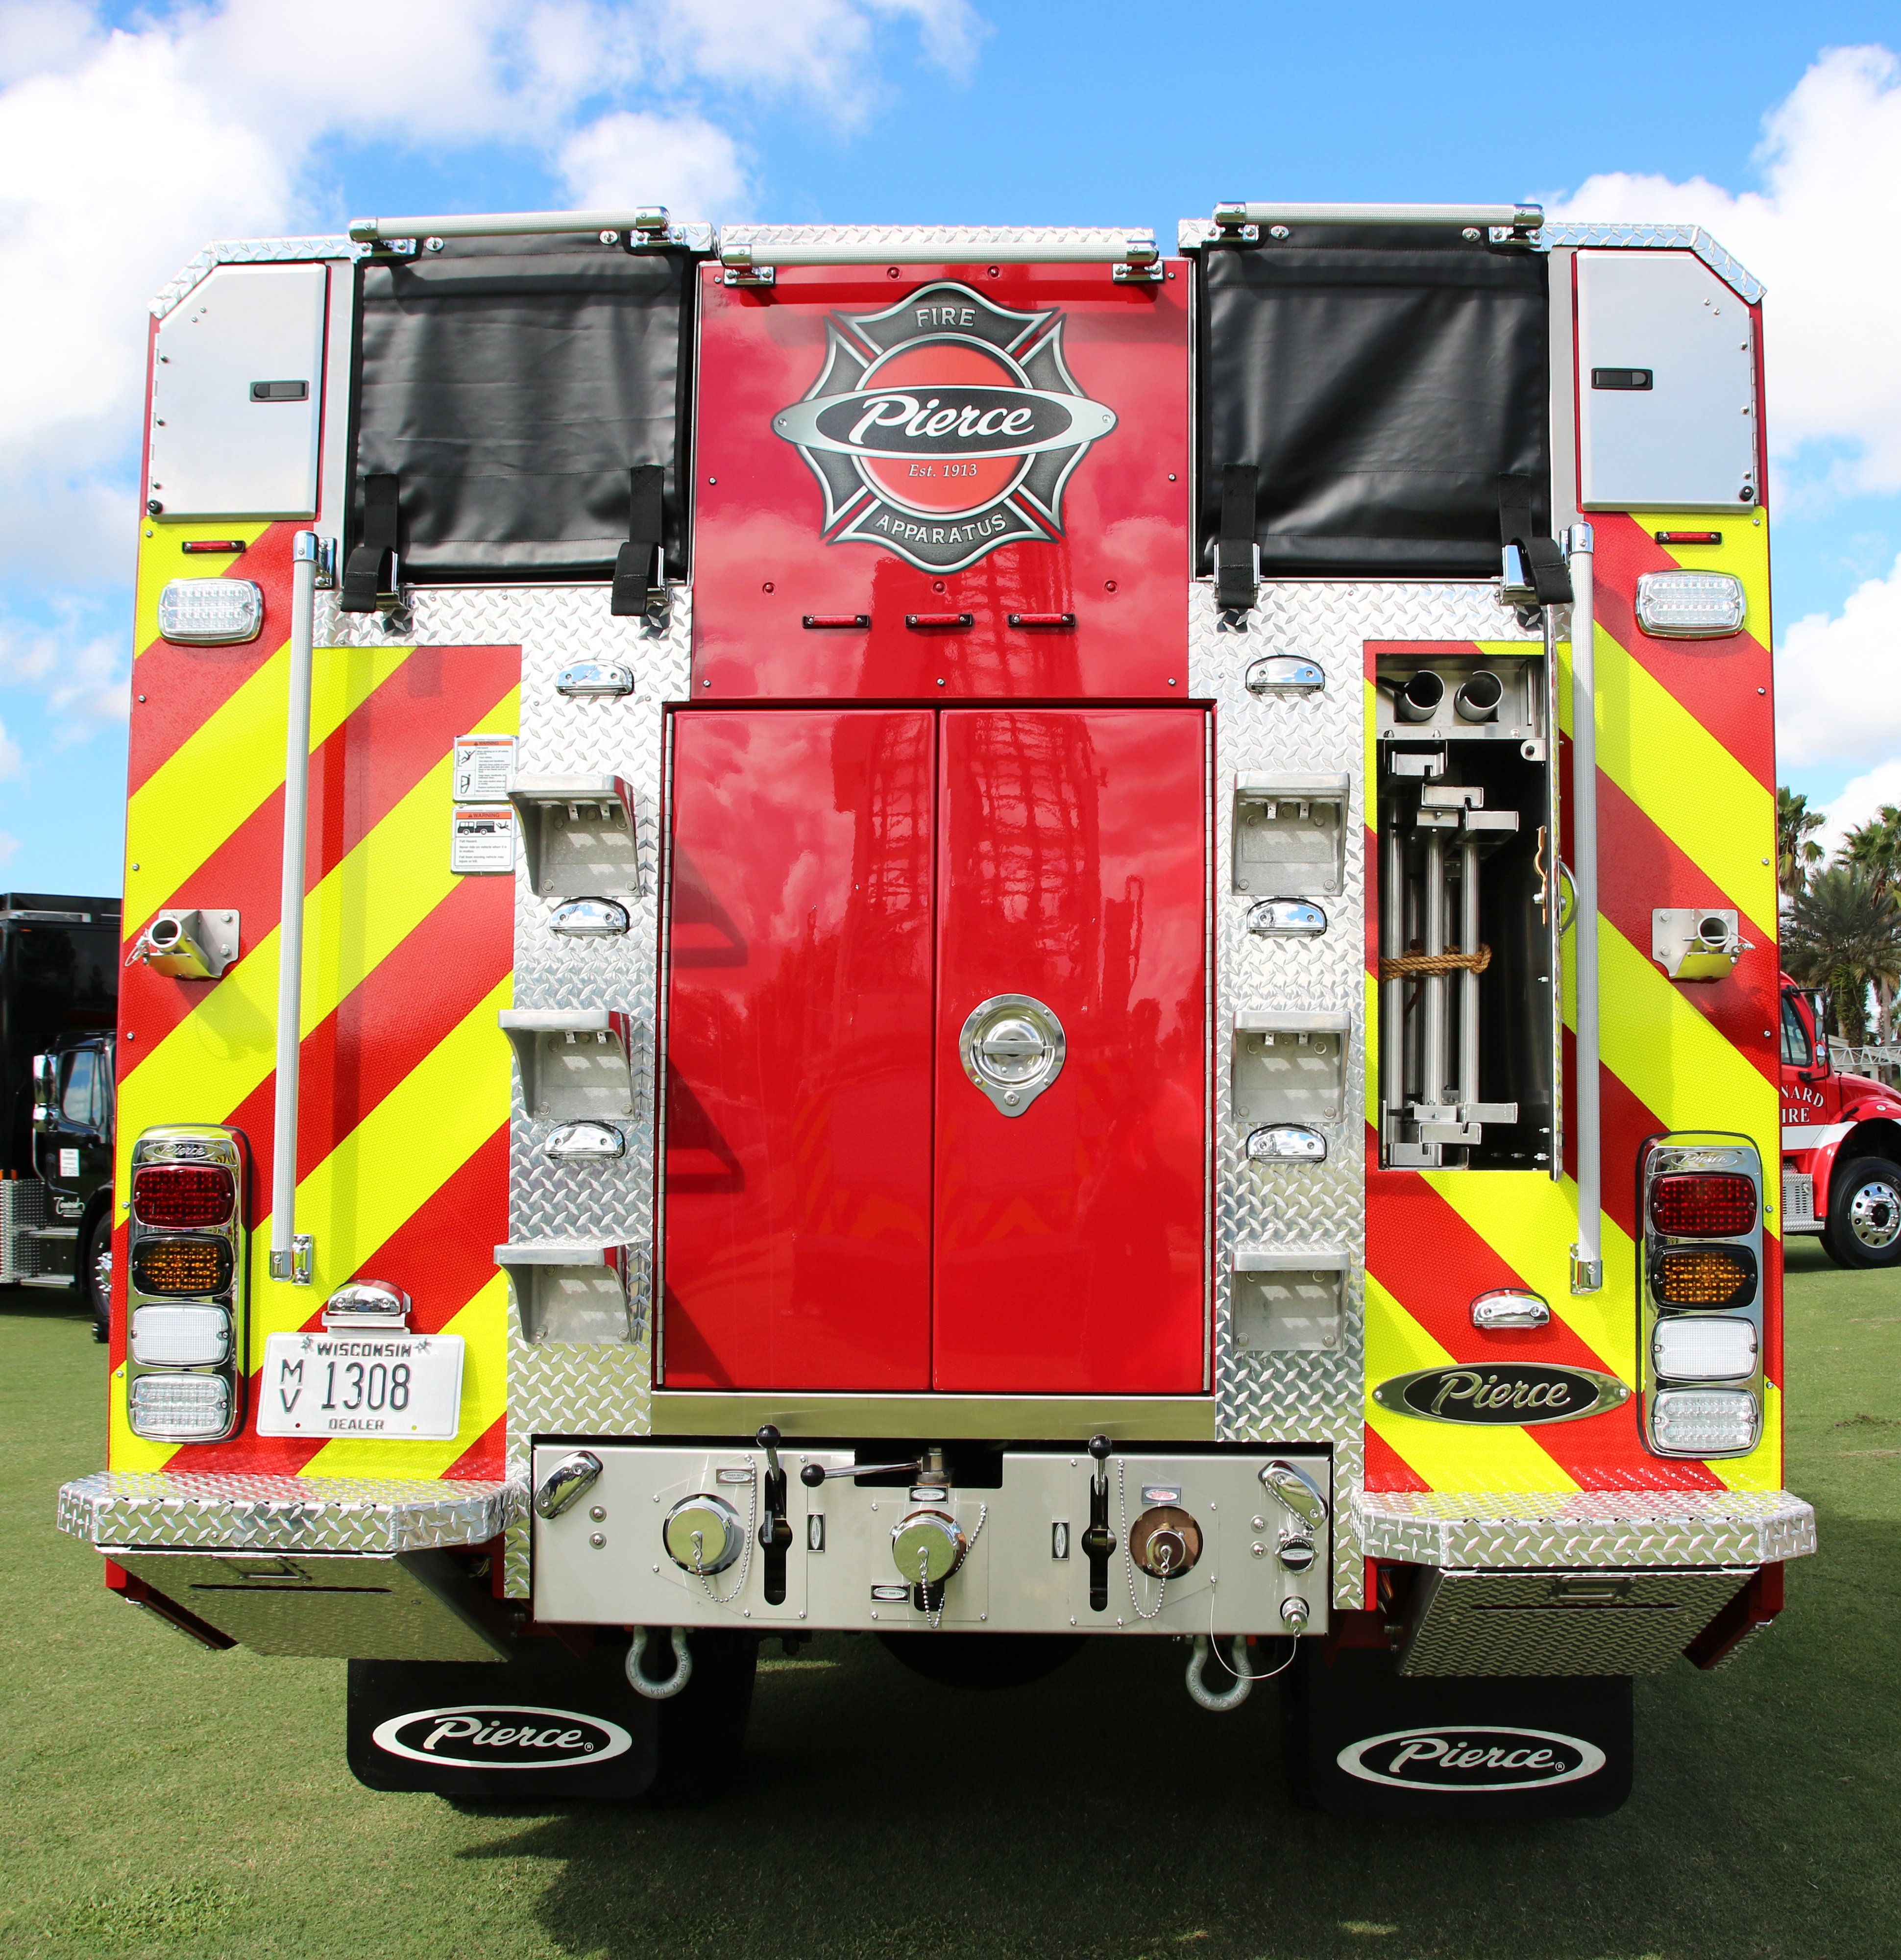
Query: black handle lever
[1098, 1542]
[813, 1475]
[775, 1535]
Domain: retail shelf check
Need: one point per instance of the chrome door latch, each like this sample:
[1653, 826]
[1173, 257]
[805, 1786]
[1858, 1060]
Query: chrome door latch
[1011, 1047]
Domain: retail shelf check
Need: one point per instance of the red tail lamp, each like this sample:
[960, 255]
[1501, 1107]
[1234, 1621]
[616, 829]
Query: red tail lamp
[183, 1198]
[1702, 1205]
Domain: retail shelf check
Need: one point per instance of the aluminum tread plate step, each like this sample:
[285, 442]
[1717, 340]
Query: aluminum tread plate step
[151, 1510]
[1590, 1529]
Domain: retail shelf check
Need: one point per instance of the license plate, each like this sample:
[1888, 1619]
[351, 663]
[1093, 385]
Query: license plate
[397, 1387]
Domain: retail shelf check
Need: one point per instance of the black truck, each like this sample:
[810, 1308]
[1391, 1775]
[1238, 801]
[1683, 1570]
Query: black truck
[59, 961]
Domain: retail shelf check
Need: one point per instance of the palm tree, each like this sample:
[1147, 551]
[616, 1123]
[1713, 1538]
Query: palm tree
[1797, 853]
[1875, 847]
[1845, 935]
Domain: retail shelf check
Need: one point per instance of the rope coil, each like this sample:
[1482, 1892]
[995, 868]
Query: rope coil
[1409, 963]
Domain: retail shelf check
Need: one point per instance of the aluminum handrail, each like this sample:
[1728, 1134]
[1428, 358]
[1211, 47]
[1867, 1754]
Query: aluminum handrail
[1134, 248]
[285, 1264]
[1586, 1255]
[1517, 217]
[646, 217]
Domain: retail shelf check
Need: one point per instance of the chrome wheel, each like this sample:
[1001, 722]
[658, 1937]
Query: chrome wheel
[1874, 1215]
[101, 1269]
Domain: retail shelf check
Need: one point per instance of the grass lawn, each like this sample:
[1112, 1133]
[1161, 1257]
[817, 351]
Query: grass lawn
[161, 1800]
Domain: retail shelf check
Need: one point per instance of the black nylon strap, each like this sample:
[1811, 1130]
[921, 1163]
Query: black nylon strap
[1237, 556]
[636, 583]
[1550, 576]
[370, 568]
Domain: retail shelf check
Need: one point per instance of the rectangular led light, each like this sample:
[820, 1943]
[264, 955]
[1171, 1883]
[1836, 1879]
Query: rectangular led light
[1704, 1422]
[1699, 1347]
[1690, 604]
[181, 1408]
[181, 1336]
[1703, 1204]
[181, 1266]
[1703, 1276]
[210, 612]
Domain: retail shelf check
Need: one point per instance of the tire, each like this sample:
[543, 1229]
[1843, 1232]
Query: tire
[96, 1275]
[1863, 1227]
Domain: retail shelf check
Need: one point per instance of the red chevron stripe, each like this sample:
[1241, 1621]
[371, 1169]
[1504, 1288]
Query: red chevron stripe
[1723, 683]
[484, 1457]
[358, 774]
[1434, 1264]
[1386, 1469]
[1625, 1122]
[387, 1026]
[175, 690]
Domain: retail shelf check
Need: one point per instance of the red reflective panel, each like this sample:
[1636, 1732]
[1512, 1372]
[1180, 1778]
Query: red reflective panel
[798, 1094]
[1070, 1244]
[1690, 1203]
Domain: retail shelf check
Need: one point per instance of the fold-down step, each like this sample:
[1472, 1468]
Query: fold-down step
[581, 835]
[573, 1061]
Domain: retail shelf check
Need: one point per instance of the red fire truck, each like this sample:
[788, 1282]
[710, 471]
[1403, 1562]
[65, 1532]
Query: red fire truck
[1841, 1143]
[985, 936]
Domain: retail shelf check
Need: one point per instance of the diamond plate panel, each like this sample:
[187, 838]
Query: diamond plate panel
[1661, 238]
[183, 1511]
[1520, 1623]
[560, 1387]
[1305, 1396]
[249, 252]
[1594, 1529]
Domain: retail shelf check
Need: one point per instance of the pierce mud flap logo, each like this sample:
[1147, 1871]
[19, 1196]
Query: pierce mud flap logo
[1463, 1760]
[943, 427]
[478, 1737]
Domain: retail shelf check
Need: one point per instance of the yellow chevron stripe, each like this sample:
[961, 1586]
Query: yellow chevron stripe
[1680, 776]
[229, 765]
[1449, 1456]
[451, 1102]
[360, 912]
[160, 561]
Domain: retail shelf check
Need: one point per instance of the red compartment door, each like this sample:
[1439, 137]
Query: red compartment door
[797, 1230]
[1069, 1252]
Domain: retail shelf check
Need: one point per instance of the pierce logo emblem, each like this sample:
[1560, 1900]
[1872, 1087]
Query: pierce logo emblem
[478, 1736]
[943, 427]
[1521, 1392]
[1459, 1759]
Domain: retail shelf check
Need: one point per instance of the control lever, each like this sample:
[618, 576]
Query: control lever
[775, 1535]
[1098, 1542]
[813, 1475]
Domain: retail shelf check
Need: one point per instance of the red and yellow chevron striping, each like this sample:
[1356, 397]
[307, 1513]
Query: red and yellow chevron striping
[1686, 803]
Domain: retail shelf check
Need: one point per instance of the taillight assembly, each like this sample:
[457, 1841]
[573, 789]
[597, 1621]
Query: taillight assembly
[1717, 1276]
[1702, 1205]
[185, 1358]
[170, 1268]
[183, 1198]
[1700, 1302]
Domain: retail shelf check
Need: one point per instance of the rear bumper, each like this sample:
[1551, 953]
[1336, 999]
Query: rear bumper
[1617, 1530]
[166, 1511]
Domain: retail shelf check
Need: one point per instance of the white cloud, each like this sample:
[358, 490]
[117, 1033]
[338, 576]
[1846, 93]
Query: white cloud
[1836, 698]
[124, 151]
[85, 682]
[1859, 800]
[628, 157]
[1830, 156]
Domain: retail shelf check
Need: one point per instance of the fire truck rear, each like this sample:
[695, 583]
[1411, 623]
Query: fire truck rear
[977, 936]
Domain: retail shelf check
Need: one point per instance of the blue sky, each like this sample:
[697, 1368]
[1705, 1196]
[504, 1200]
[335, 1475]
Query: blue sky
[129, 137]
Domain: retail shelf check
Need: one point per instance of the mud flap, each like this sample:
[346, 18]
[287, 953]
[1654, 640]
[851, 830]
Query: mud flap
[546, 1724]
[1363, 1741]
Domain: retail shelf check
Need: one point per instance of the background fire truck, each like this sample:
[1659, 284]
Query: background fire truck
[979, 936]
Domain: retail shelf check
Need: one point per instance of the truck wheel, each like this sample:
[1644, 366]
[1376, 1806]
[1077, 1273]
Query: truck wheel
[1863, 1227]
[96, 1275]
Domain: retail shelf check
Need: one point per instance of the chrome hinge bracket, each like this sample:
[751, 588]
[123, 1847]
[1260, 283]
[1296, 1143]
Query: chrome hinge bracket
[296, 1265]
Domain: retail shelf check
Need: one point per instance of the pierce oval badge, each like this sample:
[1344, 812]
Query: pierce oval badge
[478, 1735]
[1457, 1760]
[1504, 1392]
